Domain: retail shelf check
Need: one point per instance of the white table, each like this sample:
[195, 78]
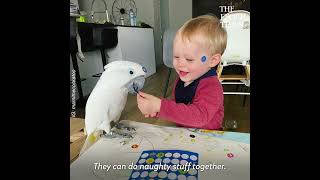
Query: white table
[213, 147]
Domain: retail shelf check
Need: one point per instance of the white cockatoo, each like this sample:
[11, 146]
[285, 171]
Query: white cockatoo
[109, 97]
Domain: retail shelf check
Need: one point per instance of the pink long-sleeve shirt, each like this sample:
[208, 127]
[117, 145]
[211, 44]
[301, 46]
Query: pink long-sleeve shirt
[206, 111]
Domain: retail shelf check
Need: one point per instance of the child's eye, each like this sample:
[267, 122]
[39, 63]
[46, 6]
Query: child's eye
[189, 59]
[176, 57]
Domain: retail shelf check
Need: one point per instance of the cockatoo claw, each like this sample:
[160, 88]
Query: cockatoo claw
[110, 135]
[120, 126]
[117, 134]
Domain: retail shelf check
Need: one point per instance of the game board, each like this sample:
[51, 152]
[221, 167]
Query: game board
[166, 164]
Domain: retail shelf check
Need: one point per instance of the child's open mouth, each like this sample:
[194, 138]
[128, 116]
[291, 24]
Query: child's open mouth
[183, 73]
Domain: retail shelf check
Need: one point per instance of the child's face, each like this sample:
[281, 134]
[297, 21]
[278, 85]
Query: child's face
[190, 59]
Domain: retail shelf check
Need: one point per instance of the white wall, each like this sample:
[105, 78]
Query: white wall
[145, 9]
[91, 65]
[160, 14]
[164, 10]
[157, 32]
[179, 12]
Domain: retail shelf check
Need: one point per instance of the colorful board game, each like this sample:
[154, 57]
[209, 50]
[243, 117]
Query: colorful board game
[166, 164]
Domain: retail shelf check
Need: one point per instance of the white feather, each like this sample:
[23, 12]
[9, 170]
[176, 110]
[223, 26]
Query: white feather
[109, 97]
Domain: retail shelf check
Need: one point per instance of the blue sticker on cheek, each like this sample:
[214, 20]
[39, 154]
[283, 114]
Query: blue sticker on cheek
[204, 58]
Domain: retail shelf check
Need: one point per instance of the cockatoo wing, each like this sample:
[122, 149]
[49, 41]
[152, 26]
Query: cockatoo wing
[117, 103]
[103, 110]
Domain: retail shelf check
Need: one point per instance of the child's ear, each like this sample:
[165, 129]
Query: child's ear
[214, 60]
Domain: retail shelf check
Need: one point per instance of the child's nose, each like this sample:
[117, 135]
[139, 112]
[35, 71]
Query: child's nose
[181, 63]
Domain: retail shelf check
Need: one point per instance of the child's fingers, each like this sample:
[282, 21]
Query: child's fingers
[153, 115]
[139, 99]
[139, 107]
[144, 95]
[138, 94]
[141, 93]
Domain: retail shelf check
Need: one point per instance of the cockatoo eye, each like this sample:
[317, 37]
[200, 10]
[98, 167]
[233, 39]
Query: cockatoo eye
[131, 72]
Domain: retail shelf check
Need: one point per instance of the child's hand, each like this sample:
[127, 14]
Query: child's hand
[149, 105]
[150, 115]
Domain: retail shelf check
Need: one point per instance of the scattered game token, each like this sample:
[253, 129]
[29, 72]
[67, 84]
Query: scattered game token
[193, 136]
[135, 146]
[230, 155]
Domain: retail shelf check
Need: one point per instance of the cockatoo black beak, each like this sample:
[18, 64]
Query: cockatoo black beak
[136, 85]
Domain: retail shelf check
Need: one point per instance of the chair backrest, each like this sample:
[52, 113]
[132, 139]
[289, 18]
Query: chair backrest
[237, 25]
[168, 37]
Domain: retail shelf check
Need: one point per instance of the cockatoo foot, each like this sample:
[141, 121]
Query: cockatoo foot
[121, 127]
[110, 135]
[116, 134]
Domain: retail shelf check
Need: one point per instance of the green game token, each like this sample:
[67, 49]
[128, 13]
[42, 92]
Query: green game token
[150, 160]
[182, 171]
[160, 155]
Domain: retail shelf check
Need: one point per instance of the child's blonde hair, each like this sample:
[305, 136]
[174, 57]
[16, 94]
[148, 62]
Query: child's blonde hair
[209, 29]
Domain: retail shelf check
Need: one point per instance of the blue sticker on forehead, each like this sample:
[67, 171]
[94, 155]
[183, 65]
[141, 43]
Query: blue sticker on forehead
[204, 58]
